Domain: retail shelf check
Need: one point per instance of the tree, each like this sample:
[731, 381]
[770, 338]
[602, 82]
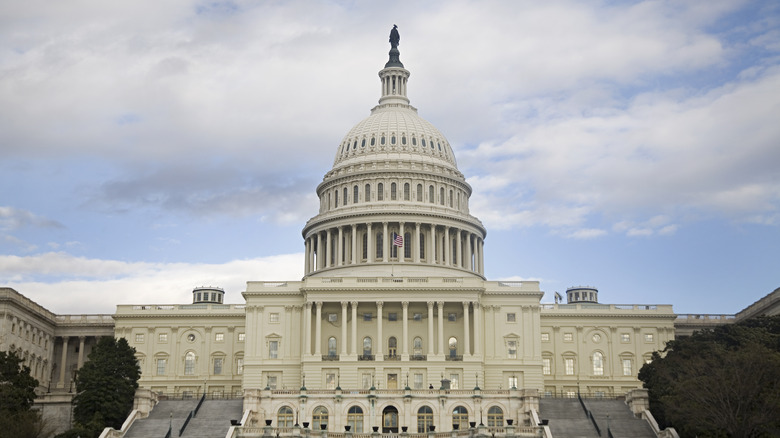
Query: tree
[721, 382]
[106, 385]
[17, 394]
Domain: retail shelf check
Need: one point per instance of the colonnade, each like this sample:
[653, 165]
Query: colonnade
[63, 363]
[426, 243]
[435, 341]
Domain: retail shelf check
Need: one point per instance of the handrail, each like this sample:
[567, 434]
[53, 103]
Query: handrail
[168, 435]
[197, 408]
[186, 422]
[589, 414]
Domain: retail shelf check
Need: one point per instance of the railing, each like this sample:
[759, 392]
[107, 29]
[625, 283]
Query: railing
[592, 306]
[84, 319]
[170, 430]
[330, 357]
[392, 357]
[418, 357]
[455, 357]
[186, 422]
[366, 357]
[588, 414]
[197, 408]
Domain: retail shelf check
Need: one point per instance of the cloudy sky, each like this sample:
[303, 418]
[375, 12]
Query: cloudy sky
[150, 147]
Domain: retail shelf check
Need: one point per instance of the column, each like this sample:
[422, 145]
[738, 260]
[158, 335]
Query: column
[306, 262]
[306, 328]
[385, 248]
[81, 351]
[441, 326]
[328, 244]
[469, 266]
[447, 251]
[344, 327]
[405, 332]
[430, 328]
[432, 245]
[370, 241]
[354, 245]
[477, 329]
[481, 257]
[402, 248]
[64, 362]
[318, 330]
[459, 257]
[354, 327]
[340, 246]
[466, 330]
[379, 337]
[320, 259]
[416, 247]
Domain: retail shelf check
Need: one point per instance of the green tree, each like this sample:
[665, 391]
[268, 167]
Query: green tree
[719, 383]
[106, 385]
[17, 394]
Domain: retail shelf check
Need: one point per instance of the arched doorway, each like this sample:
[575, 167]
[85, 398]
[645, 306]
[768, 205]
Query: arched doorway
[390, 420]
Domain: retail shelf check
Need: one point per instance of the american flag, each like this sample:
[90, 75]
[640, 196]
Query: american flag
[398, 240]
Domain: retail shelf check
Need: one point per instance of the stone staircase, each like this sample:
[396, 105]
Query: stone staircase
[567, 419]
[212, 421]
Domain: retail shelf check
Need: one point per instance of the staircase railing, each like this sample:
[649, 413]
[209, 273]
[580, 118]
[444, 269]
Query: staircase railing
[187, 421]
[589, 414]
[197, 408]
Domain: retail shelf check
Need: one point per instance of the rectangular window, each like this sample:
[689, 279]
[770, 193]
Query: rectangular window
[569, 366]
[333, 317]
[392, 316]
[627, 368]
[271, 382]
[417, 316]
[625, 337]
[512, 382]
[330, 381]
[273, 349]
[452, 317]
[366, 378]
[649, 337]
[219, 337]
[418, 381]
[545, 337]
[454, 381]
[511, 317]
[240, 366]
[367, 317]
[273, 317]
[241, 337]
[161, 367]
[139, 337]
[163, 337]
[217, 365]
[568, 337]
[511, 347]
[546, 366]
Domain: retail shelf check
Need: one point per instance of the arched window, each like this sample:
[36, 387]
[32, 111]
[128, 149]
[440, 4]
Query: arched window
[365, 245]
[336, 198]
[367, 194]
[393, 193]
[189, 363]
[392, 346]
[285, 417]
[319, 419]
[598, 364]
[345, 196]
[407, 245]
[379, 245]
[407, 193]
[380, 192]
[363, 143]
[332, 346]
[355, 195]
[495, 417]
[367, 346]
[453, 345]
[460, 416]
[414, 141]
[423, 141]
[424, 419]
[430, 194]
[382, 141]
[403, 139]
[449, 199]
[419, 193]
[441, 196]
[422, 246]
[417, 346]
[392, 139]
[355, 419]
[373, 141]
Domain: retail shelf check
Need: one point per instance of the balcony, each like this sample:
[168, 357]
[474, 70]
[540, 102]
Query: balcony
[366, 357]
[418, 357]
[455, 357]
[392, 357]
[330, 357]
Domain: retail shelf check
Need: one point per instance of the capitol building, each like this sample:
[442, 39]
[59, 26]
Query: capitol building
[393, 325]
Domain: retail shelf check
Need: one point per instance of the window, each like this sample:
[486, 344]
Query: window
[380, 246]
[333, 317]
[330, 380]
[162, 337]
[452, 317]
[367, 194]
[392, 346]
[627, 368]
[512, 382]
[273, 317]
[407, 247]
[241, 337]
[366, 378]
[271, 384]
[546, 366]
[545, 337]
[217, 365]
[407, 190]
[161, 366]
[648, 337]
[454, 381]
[417, 316]
[380, 192]
[367, 346]
[373, 141]
[393, 192]
[460, 416]
[419, 193]
[336, 199]
[417, 346]
[139, 337]
[273, 350]
[453, 345]
[345, 196]
[368, 316]
[511, 317]
[219, 337]
[240, 365]
[568, 337]
[495, 417]
[392, 316]
[392, 139]
[403, 139]
[424, 419]
[331, 346]
[511, 349]
[355, 419]
[355, 194]
[625, 337]
[189, 363]
[319, 419]
[450, 198]
[365, 246]
[418, 381]
[430, 194]
[441, 195]
[569, 366]
[285, 417]
[598, 364]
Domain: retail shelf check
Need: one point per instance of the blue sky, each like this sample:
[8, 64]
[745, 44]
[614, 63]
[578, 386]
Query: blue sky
[147, 148]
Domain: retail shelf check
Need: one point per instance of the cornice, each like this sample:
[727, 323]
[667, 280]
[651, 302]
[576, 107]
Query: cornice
[397, 216]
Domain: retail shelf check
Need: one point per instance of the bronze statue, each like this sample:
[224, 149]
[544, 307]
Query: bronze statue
[395, 38]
